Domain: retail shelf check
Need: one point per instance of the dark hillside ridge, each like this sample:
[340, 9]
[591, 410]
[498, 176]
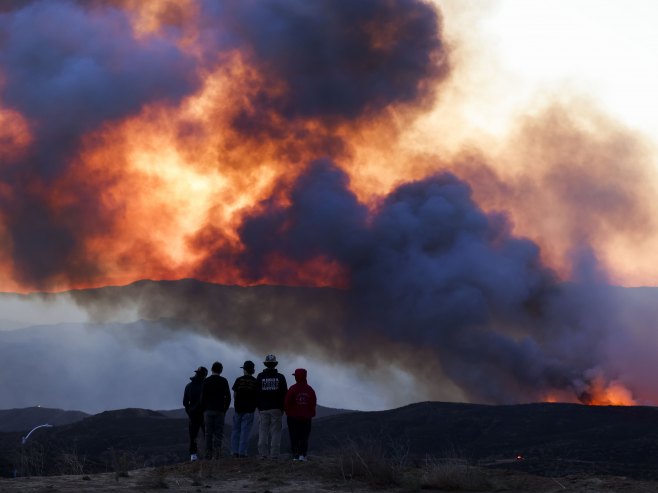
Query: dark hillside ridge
[553, 439]
[27, 418]
[321, 412]
[563, 437]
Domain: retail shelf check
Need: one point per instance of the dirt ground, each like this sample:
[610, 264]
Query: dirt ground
[318, 475]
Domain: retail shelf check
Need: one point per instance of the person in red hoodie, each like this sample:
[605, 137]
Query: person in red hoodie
[300, 408]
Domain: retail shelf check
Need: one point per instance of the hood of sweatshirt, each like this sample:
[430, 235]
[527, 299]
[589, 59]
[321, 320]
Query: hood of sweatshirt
[300, 375]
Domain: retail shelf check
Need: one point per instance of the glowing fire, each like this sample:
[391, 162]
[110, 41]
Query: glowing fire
[602, 393]
[598, 392]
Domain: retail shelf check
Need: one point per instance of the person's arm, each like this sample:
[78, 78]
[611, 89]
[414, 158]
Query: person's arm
[259, 384]
[314, 400]
[203, 397]
[186, 398]
[227, 396]
[283, 388]
[287, 402]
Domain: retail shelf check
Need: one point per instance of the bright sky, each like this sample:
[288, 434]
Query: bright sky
[603, 48]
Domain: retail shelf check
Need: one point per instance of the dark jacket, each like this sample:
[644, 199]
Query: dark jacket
[192, 397]
[272, 388]
[245, 394]
[215, 394]
[300, 400]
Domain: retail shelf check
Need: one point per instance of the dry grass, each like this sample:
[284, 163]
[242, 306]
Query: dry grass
[155, 479]
[372, 461]
[71, 462]
[382, 464]
[254, 475]
[454, 474]
[121, 462]
[32, 460]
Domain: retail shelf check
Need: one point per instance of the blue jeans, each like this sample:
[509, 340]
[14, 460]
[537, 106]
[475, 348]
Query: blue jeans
[240, 435]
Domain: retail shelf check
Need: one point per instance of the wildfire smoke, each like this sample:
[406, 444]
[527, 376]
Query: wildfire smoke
[272, 142]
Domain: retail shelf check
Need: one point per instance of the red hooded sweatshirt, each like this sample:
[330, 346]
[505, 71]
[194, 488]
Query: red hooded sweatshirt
[300, 399]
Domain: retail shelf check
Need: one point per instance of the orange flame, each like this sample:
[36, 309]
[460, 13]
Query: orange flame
[613, 393]
[599, 392]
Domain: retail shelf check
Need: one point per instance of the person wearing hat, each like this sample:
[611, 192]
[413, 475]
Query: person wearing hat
[192, 404]
[244, 397]
[271, 387]
[300, 406]
[215, 400]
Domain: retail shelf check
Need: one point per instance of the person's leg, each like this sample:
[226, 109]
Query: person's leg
[236, 433]
[209, 421]
[247, 422]
[193, 430]
[264, 433]
[219, 433]
[275, 432]
[293, 432]
[304, 434]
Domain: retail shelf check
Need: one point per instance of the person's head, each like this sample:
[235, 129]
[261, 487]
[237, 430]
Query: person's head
[300, 375]
[201, 372]
[217, 367]
[270, 361]
[249, 367]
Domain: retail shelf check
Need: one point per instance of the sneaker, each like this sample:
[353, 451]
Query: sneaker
[194, 457]
[295, 458]
[302, 458]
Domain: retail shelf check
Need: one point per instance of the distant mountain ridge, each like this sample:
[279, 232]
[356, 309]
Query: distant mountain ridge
[321, 412]
[24, 419]
[27, 418]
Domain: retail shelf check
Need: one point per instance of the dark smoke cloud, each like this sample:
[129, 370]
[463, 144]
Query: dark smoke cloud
[337, 59]
[437, 287]
[71, 67]
[430, 269]
[68, 70]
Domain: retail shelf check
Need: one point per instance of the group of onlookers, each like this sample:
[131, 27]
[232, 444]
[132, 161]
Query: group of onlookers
[207, 398]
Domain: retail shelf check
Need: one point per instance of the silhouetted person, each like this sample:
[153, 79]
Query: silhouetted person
[215, 400]
[272, 388]
[300, 406]
[192, 404]
[244, 398]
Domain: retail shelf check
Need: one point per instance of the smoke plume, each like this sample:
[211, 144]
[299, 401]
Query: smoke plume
[428, 272]
[273, 146]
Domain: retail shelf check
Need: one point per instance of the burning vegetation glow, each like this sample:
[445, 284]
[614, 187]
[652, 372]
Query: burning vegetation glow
[328, 144]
